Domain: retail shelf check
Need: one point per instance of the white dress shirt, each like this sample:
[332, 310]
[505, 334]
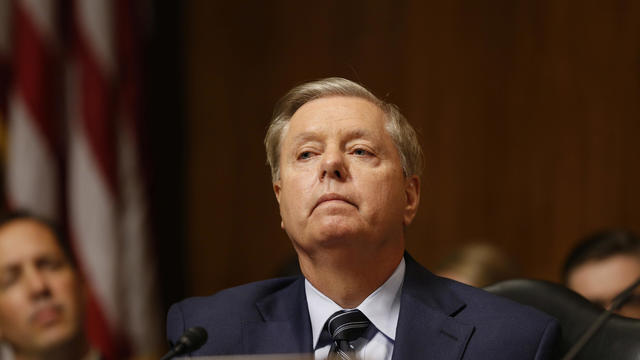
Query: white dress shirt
[381, 307]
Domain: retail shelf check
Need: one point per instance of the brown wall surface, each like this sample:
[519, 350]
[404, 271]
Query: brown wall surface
[528, 113]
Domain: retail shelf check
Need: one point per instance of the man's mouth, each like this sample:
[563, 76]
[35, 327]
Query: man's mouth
[331, 197]
[47, 315]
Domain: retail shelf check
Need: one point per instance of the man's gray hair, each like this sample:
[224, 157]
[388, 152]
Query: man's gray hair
[402, 133]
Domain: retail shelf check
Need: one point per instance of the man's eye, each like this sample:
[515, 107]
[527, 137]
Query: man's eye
[361, 152]
[7, 279]
[50, 263]
[305, 155]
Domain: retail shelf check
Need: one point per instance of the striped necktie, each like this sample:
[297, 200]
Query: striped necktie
[345, 326]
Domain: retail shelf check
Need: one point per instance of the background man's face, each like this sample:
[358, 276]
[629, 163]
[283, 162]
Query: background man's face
[41, 298]
[341, 180]
[601, 280]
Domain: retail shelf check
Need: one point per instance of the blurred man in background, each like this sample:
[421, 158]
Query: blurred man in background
[42, 297]
[479, 265]
[602, 265]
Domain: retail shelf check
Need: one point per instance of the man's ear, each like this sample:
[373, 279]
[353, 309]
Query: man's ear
[412, 194]
[276, 190]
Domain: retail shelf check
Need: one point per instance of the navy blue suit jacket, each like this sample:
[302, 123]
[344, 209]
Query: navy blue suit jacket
[439, 319]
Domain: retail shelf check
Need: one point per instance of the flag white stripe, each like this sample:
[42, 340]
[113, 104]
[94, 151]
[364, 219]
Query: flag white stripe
[32, 174]
[92, 220]
[95, 19]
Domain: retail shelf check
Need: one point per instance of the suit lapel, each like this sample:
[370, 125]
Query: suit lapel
[427, 323]
[286, 327]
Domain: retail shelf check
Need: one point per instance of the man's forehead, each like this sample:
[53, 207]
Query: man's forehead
[22, 239]
[327, 106]
[606, 275]
[351, 116]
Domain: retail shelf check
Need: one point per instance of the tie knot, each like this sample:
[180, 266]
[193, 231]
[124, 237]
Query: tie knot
[347, 325]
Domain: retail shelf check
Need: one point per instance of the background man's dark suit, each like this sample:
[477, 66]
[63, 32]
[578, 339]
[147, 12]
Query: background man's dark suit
[439, 319]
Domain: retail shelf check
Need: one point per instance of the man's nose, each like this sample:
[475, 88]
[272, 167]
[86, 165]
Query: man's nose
[37, 283]
[334, 166]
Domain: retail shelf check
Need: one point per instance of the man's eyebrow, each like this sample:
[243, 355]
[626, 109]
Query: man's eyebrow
[9, 267]
[304, 137]
[349, 135]
[357, 134]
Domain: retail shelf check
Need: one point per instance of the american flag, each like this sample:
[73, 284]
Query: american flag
[71, 100]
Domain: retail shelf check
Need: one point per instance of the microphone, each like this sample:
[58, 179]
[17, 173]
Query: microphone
[190, 341]
[616, 304]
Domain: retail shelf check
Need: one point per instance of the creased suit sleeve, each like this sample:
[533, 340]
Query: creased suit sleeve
[175, 324]
[546, 346]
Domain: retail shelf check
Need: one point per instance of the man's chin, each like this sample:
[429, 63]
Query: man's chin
[56, 337]
[338, 237]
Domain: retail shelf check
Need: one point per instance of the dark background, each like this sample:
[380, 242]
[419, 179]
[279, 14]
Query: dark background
[527, 111]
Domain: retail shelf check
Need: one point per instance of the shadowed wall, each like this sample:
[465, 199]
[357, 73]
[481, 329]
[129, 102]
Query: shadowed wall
[528, 114]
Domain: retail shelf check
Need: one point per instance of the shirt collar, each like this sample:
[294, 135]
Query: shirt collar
[381, 307]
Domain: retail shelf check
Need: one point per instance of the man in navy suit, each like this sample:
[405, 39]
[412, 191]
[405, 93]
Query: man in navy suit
[345, 168]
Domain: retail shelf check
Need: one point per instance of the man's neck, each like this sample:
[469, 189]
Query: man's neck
[79, 349]
[349, 279]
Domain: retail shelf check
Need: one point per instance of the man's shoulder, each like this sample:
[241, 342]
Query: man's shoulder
[238, 298]
[481, 303]
[477, 303]
[502, 329]
[517, 329]
[222, 313]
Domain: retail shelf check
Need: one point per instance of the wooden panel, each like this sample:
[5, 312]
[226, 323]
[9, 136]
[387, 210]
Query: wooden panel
[528, 113]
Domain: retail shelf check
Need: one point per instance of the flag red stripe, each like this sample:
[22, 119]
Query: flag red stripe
[112, 346]
[97, 109]
[36, 72]
[128, 44]
[5, 76]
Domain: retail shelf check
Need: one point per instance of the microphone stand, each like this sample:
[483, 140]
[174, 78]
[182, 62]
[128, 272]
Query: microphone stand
[616, 304]
[191, 340]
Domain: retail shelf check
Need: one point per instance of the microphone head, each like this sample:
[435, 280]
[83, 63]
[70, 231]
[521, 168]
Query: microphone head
[192, 339]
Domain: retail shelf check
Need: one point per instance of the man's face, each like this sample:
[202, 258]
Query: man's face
[601, 280]
[41, 297]
[341, 181]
